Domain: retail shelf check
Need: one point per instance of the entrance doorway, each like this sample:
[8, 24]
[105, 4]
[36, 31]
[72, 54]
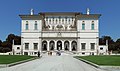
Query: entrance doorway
[74, 46]
[52, 45]
[44, 45]
[66, 45]
[59, 45]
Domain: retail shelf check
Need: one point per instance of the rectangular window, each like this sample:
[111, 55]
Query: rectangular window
[83, 53]
[26, 25]
[92, 46]
[18, 48]
[26, 46]
[83, 26]
[35, 46]
[83, 46]
[101, 48]
[92, 26]
[35, 53]
[35, 26]
[25, 53]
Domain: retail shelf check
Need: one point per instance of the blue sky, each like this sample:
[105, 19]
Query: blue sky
[10, 9]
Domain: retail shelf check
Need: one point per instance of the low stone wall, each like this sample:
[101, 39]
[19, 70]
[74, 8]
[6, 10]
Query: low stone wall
[8, 53]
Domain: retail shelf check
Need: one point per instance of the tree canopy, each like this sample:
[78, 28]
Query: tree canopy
[112, 45]
[0, 43]
[7, 45]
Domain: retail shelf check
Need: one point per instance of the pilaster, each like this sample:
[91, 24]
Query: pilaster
[70, 49]
[48, 46]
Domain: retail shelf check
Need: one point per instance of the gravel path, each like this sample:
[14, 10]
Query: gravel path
[53, 63]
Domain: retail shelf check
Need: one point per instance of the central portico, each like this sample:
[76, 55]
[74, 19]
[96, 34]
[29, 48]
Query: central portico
[56, 29]
[59, 44]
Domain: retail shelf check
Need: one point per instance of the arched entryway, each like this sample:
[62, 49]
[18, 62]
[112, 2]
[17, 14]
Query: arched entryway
[74, 46]
[59, 45]
[44, 45]
[52, 45]
[66, 45]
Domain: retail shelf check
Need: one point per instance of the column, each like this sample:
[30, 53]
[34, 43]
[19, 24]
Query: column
[64, 21]
[55, 45]
[57, 20]
[70, 48]
[63, 45]
[40, 45]
[73, 21]
[48, 46]
[48, 21]
[70, 20]
[51, 21]
[78, 44]
[45, 20]
[61, 20]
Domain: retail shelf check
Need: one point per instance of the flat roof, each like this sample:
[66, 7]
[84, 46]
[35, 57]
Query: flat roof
[89, 16]
[59, 13]
[41, 14]
[31, 16]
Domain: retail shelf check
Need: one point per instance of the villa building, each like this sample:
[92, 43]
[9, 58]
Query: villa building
[59, 31]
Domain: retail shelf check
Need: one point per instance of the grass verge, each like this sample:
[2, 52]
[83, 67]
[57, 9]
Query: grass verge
[111, 60]
[7, 59]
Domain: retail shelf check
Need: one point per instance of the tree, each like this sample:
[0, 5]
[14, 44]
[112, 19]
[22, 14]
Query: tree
[10, 38]
[6, 49]
[118, 40]
[117, 45]
[101, 41]
[6, 44]
[0, 43]
[17, 40]
[111, 43]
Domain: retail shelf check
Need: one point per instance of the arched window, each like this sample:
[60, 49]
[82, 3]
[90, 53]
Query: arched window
[62, 20]
[92, 26]
[66, 19]
[56, 21]
[26, 26]
[35, 26]
[83, 25]
[69, 20]
[49, 21]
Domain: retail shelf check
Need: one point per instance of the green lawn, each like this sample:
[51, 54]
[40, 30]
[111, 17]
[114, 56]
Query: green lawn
[103, 60]
[6, 59]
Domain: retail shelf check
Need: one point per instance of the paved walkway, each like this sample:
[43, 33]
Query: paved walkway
[53, 63]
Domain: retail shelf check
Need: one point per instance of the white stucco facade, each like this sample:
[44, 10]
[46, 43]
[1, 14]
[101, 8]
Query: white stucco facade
[103, 50]
[60, 31]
